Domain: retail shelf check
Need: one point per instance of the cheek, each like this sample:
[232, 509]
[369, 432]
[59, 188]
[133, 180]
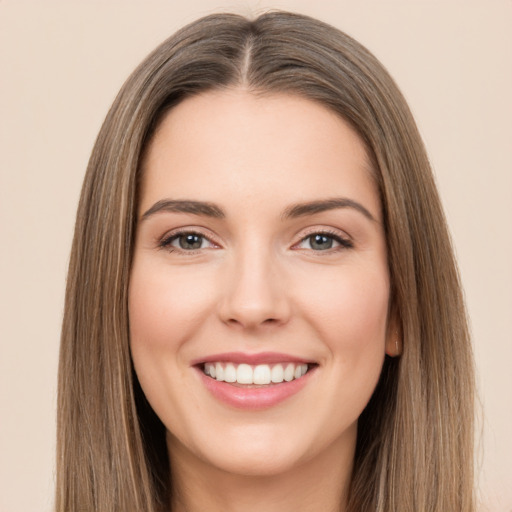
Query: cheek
[349, 309]
[165, 307]
[350, 318]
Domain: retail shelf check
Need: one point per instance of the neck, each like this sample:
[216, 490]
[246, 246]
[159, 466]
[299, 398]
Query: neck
[319, 483]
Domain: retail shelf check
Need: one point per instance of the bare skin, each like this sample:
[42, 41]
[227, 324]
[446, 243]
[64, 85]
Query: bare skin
[296, 490]
[259, 233]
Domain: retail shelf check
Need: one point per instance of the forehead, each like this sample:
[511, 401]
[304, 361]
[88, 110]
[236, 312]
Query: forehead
[232, 144]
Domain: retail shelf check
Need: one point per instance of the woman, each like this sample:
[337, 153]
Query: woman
[263, 309]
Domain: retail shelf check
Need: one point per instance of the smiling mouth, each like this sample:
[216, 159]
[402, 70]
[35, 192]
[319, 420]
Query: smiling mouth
[255, 375]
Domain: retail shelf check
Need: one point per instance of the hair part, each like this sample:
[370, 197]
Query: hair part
[415, 437]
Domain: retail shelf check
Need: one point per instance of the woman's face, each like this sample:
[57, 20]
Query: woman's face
[260, 253]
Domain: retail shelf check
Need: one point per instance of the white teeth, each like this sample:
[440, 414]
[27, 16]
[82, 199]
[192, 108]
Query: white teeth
[260, 374]
[219, 372]
[230, 373]
[277, 373]
[300, 370]
[289, 372]
[209, 369]
[244, 374]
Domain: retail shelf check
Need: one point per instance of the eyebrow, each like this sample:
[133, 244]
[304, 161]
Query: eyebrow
[291, 212]
[185, 206]
[312, 207]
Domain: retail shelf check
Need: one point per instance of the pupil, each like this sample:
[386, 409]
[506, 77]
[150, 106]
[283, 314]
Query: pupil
[321, 242]
[190, 241]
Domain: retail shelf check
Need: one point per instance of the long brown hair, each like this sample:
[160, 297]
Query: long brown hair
[415, 438]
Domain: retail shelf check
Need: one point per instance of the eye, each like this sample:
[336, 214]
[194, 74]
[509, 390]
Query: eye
[324, 242]
[189, 241]
[186, 241]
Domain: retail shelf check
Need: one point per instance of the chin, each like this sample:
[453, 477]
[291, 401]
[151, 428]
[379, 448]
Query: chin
[266, 450]
[253, 463]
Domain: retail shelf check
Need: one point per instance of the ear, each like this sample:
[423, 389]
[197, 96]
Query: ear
[394, 338]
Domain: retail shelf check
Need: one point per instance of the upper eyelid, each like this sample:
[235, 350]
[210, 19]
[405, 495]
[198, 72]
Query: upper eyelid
[341, 241]
[342, 238]
[187, 230]
[325, 230]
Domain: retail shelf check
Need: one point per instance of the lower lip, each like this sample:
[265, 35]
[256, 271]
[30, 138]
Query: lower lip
[254, 398]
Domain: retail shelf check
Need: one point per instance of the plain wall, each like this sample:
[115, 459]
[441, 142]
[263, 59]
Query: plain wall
[61, 64]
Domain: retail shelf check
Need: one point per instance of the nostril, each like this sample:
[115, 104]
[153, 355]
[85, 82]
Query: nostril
[248, 323]
[250, 304]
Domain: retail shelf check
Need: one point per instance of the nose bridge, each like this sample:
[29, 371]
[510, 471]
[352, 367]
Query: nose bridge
[254, 294]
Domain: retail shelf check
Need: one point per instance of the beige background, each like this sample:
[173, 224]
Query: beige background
[61, 63]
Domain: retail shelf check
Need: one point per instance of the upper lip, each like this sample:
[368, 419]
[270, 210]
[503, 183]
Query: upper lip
[252, 359]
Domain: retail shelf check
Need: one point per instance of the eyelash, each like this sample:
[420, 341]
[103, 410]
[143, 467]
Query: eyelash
[344, 243]
[166, 241]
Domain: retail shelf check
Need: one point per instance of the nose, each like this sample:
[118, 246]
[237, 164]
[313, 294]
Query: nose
[254, 294]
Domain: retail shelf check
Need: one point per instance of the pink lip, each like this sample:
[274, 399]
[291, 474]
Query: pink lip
[253, 398]
[252, 359]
